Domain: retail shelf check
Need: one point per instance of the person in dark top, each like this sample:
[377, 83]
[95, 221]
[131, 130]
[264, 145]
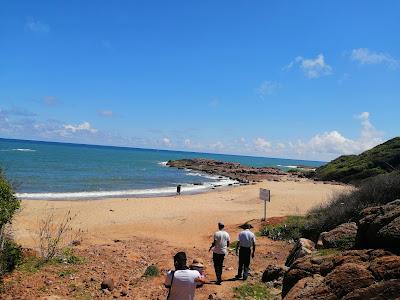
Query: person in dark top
[178, 189]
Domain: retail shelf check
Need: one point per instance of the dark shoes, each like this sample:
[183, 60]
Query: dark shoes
[218, 282]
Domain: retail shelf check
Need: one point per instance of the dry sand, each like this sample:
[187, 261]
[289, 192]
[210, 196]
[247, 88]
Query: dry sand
[180, 220]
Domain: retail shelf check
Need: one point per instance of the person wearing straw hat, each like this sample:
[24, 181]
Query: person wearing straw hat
[182, 282]
[246, 241]
[220, 244]
[198, 265]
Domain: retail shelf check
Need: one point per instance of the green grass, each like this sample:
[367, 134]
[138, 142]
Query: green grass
[69, 257]
[151, 271]
[232, 245]
[30, 265]
[290, 229]
[328, 252]
[34, 264]
[254, 291]
[66, 272]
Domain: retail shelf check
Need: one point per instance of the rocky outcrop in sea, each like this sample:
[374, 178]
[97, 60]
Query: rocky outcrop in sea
[235, 171]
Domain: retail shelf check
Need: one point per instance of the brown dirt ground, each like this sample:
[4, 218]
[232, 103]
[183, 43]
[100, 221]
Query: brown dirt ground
[125, 261]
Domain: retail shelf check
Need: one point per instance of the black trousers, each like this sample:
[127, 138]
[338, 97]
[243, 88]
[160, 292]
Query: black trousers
[244, 262]
[218, 260]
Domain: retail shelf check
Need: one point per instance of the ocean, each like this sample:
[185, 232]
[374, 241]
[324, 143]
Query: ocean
[49, 170]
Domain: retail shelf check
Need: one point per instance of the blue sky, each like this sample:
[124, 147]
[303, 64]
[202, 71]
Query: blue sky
[297, 79]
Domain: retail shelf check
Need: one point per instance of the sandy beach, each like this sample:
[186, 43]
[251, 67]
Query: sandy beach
[124, 236]
[179, 220]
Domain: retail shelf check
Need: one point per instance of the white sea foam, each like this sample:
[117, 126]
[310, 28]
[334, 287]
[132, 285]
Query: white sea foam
[18, 149]
[24, 150]
[165, 191]
[291, 167]
[163, 163]
[204, 175]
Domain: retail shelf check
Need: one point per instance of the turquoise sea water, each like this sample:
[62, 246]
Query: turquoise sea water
[45, 170]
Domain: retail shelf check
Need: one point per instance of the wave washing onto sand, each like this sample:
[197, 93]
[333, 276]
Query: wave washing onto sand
[291, 167]
[166, 191]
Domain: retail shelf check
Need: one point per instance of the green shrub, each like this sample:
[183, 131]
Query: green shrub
[10, 256]
[10, 253]
[151, 271]
[256, 291]
[69, 257]
[290, 229]
[346, 206]
[30, 264]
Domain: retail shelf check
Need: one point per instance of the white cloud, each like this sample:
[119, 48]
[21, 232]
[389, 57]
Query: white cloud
[312, 68]
[166, 142]
[331, 144]
[106, 113]
[84, 126]
[262, 145]
[266, 88]
[36, 26]
[364, 56]
[217, 145]
[187, 142]
[280, 145]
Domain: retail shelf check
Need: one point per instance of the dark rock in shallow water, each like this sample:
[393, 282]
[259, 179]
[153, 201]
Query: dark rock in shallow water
[234, 171]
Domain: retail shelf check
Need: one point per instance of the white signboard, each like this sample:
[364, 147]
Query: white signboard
[265, 195]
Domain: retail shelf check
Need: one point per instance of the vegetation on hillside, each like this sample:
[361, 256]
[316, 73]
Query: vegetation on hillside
[343, 207]
[381, 159]
[290, 229]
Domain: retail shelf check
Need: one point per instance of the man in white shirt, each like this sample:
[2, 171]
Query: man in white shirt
[246, 240]
[220, 244]
[182, 282]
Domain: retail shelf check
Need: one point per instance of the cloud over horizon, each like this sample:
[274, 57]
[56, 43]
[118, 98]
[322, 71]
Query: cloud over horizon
[326, 145]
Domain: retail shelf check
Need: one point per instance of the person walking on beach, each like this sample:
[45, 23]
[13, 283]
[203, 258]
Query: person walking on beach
[182, 282]
[178, 189]
[220, 244]
[246, 241]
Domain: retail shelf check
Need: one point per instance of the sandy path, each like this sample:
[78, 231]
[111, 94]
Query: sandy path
[181, 221]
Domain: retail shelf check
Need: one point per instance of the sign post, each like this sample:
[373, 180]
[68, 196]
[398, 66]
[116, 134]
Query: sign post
[266, 196]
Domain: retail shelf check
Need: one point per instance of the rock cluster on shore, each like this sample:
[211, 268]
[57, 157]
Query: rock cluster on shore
[371, 270]
[235, 171]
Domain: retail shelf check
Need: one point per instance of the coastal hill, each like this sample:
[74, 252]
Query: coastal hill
[381, 159]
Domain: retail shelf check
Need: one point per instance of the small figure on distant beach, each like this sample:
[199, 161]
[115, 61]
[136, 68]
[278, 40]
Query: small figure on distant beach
[246, 241]
[220, 244]
[182, 282]
[178, 189]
